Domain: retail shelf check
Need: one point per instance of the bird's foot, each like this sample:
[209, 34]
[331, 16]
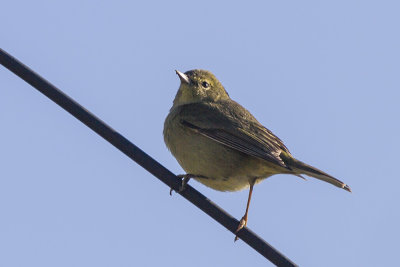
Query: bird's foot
[186, 178]
[242, 223]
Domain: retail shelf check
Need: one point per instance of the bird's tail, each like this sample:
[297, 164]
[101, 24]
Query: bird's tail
[301, 168]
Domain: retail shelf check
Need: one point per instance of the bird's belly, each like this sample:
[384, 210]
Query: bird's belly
[224, 169]
[229, 184]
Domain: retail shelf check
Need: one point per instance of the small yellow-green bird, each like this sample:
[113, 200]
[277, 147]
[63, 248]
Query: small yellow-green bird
[220, 144]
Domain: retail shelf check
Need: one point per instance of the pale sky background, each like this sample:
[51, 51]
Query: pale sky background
[322, 75]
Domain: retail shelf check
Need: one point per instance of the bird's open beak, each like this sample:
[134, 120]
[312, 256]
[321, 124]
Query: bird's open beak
[184, 78]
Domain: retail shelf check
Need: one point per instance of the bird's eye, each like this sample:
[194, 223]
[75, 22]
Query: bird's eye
[205, 84]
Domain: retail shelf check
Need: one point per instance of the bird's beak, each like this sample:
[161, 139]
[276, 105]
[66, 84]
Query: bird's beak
[184, 78]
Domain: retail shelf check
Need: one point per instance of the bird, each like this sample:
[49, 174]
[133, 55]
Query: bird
[222, 145]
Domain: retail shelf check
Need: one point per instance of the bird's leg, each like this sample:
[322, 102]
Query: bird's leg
[186, 178]
[243, 221]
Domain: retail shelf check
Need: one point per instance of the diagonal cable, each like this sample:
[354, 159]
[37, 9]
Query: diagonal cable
[140, 157]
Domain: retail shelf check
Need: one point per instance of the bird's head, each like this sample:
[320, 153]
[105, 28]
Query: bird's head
[199, 86]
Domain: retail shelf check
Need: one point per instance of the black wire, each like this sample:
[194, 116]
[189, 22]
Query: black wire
[142, 158]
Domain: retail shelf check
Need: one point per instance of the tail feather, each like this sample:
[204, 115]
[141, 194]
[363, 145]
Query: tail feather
[302, 168]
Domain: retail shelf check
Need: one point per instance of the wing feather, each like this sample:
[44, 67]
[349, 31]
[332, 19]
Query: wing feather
[232, 125]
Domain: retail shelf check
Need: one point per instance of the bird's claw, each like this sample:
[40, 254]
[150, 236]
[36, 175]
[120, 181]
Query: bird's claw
[242, 223]
[186, 178]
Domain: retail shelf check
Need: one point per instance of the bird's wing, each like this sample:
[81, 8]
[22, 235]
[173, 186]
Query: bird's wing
[232, 125]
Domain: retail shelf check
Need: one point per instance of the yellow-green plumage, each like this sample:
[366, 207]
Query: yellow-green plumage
[212, 136]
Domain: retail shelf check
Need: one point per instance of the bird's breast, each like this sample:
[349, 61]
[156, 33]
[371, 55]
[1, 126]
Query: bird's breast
[226, 169]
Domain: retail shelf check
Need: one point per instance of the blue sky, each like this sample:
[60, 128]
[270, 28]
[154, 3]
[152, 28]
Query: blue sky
[321, 75]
